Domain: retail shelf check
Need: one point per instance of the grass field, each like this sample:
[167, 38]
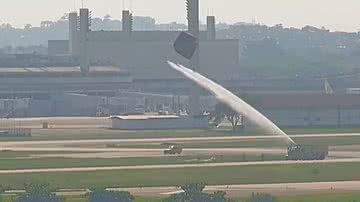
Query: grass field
[94, 162]
[328, 197]
[6, 155]
[212, 176]
[79, 134]
[336, 197]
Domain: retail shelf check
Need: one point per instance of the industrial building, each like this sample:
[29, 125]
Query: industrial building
[124, 72]
[154, 122]
[105, 63]
[144, 53]
[310, 110]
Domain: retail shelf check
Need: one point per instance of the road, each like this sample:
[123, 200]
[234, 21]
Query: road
[126, 153]
[146, 167]
[98, 148]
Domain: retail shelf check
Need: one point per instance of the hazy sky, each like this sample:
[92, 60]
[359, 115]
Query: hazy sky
[334, 14]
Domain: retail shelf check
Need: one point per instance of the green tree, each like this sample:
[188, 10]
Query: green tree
[223, 111]
[38, 193]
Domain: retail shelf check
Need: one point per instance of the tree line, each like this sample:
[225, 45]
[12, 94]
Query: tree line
[190, 193]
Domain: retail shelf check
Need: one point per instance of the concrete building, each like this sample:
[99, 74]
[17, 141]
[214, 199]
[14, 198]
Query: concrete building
[84, 49]
[211, 29]
[127, 22]
[144, 53]
[28, 82]
[74, 34]
[310, 110]
[89, 62]
[194, 29]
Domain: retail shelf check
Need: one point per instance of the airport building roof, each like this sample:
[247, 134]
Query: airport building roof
[145, 117]
[58, 71]
[282, 101]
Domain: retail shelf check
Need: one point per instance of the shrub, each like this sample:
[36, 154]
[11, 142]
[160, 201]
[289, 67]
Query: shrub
[38, 193]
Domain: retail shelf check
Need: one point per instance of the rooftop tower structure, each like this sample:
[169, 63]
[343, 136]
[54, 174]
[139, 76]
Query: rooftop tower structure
[74, 34]
[127, 22]
[211, 29]
[193, 28]
[84, 30]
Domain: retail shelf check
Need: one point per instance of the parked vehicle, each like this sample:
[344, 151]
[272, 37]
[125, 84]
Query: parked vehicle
[173, 150]
[307, 152]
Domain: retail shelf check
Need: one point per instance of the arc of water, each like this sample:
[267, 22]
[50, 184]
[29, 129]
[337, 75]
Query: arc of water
[233, 101]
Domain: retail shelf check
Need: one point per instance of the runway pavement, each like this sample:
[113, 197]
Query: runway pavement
[91, 148]
[75, 149]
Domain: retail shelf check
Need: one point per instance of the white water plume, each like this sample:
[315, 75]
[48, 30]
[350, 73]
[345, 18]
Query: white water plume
[237, 104]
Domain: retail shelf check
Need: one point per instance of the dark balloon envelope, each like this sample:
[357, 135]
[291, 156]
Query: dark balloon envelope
[186, 45]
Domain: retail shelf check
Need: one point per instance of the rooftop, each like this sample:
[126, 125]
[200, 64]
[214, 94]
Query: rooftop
[308, 101]
[20, 72]
[58, 69]
[145, 117]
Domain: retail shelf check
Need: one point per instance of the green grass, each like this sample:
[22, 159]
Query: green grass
[7, 198]
[147, 199]
[84, 199]
[75, 199]
[95, 162]
[174, 177]
[321, 197]
[330, 197]
[73, 134]
[6, 155]
[137, 199]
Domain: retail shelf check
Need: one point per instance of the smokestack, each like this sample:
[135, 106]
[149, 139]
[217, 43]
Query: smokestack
[127, 22]
[194, 29]
[73, 34]
[84, 30]
[193, 17]
[211, 29]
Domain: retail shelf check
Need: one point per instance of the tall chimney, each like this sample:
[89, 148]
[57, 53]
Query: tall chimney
[211, 29]
[84, 30]
[194, 29]
[127, 22]
[74, 43]
[193, 17]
